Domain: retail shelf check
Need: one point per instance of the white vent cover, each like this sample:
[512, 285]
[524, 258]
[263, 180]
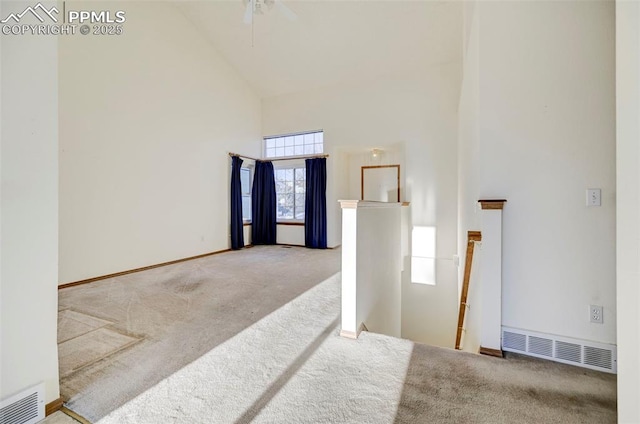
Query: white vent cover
[583, 353]
[26, 407]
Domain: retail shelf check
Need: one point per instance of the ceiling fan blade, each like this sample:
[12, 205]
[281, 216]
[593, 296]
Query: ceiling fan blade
[288, 13]
[248, 12]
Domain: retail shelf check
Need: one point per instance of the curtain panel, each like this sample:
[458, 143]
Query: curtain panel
[315, 206]
[263, 204]
[237, 230]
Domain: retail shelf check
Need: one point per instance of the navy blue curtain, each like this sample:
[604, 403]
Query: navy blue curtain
[315, 204]
[237, 231]
[263, 205]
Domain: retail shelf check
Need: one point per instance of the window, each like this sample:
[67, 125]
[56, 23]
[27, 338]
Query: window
[290, 192]
[294, 145]
[245, 183]
[291, 180]
[423, 255]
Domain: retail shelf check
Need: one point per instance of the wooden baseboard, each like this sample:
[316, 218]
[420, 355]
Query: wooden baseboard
[491, 352]
[302, 245]
[289, 245]
[75, 416]
[52, 407]
[131, 271]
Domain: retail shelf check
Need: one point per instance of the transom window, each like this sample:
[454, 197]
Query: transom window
[290, 192]
[294, 145]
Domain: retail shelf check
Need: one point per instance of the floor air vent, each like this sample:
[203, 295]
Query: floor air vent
[601, 358]
[23, 408]
[540, 346]
[514, 341]
[583, 353]
[568, 351]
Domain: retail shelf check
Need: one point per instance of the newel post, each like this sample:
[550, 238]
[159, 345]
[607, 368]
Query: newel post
[491, 276]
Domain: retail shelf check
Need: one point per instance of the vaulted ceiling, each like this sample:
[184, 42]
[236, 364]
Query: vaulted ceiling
[330, 42]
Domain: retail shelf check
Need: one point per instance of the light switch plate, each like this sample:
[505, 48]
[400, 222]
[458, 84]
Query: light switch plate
[593, 197]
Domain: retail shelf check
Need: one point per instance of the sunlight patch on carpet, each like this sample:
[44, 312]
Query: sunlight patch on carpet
[290, 366]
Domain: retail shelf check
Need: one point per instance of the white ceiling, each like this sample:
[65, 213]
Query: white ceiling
[330, 42]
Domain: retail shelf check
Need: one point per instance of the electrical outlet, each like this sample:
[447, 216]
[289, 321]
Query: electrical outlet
[595, 313]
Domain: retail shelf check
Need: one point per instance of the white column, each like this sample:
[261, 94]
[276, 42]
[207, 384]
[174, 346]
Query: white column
[349, 263]
[628, 208]
[29, 219]
[491, 277]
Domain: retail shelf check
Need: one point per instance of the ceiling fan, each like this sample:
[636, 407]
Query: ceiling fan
[258, 7]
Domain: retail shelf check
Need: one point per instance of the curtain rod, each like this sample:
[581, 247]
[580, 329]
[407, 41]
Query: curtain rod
[275, 159]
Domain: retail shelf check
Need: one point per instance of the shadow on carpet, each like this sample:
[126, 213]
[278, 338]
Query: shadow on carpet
[447, 386]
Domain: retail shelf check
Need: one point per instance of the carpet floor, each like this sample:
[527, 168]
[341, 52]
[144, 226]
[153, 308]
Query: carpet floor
[119, 337]
[59, 417]
[289, 365]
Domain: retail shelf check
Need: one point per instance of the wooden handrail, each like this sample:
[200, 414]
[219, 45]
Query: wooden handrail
[472, 237]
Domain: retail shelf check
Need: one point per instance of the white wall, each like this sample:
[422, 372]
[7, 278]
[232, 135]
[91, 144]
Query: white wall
[146, 121]
[537, 127]
[371, 266]
[468, 173]
[247, 234]
[392, 155]
[290, 234]
[29, 215]
[378, 269]
[628, 208]
[417, 111]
